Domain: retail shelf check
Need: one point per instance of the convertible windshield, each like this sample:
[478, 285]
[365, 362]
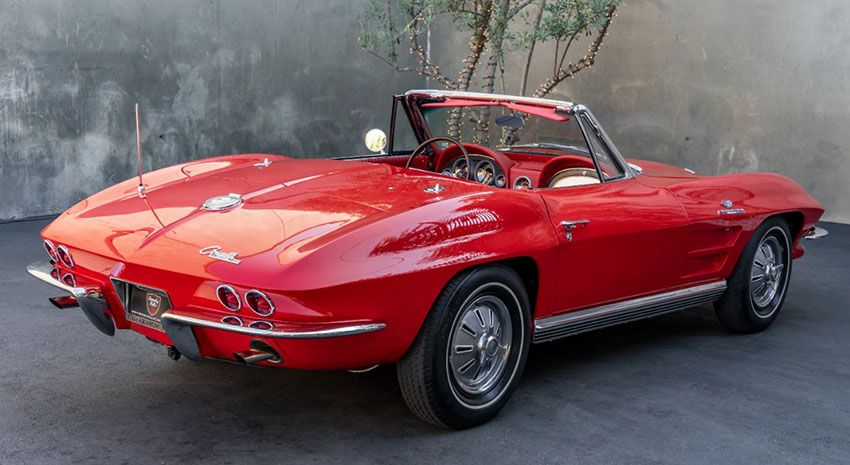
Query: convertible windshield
[504, 126]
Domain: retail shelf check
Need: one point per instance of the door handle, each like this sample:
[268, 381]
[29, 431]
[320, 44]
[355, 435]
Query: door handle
[570, 225]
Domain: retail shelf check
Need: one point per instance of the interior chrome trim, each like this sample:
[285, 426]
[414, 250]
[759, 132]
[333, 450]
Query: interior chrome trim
[271, 333]
[517, 181]
[567, 324]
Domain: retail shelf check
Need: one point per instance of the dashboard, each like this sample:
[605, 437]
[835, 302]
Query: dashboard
[485, 170]
[518, 169]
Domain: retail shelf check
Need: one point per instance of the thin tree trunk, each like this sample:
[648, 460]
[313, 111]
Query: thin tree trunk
[476, 46]
[527, 67]
[482, 129]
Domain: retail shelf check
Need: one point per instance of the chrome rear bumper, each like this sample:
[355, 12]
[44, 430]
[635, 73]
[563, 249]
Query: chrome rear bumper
[90, 299]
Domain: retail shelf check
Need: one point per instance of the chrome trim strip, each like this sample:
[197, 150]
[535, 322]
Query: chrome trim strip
[554, 327]
[731, 211]
[436, 93]
[41, 271]
[322, 333]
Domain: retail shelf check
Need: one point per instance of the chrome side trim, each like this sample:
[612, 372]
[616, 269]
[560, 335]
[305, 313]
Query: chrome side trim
[271, 333]
[568, 324]
[731, 211]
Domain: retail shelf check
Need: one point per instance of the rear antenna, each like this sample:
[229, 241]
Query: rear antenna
[142, 192]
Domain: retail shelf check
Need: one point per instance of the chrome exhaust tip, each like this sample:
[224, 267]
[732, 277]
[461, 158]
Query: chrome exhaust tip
[259, 351]
[64, 301]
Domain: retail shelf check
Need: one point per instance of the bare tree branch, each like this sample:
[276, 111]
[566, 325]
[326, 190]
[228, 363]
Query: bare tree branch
[586, 61]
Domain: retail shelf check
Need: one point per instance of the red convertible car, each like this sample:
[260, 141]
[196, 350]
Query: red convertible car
[485, 224]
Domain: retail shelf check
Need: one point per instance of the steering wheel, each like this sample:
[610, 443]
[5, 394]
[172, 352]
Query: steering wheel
[449, 139]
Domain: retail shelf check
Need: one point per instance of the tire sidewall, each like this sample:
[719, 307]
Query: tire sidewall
[779, 229]
[502, 282]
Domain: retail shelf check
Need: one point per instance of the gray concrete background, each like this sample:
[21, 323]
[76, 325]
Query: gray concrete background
[716, 86]
[722, 86]
[212, 78]
[676, 389]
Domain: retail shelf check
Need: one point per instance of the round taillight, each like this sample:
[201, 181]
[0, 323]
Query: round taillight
[229, 298]
[65, 256]
[259, 303]
[69, 279]
[51, 250]
[263, 325]
[54, 273]
[232, 320]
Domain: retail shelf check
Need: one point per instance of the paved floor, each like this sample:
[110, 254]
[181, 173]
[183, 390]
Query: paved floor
[675, 389]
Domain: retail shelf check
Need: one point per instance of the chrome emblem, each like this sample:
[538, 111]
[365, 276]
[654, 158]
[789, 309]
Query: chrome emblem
[726, 204]
[153, 302]
[216, 253]
[263, 164]
[222, 202]
[436, 189]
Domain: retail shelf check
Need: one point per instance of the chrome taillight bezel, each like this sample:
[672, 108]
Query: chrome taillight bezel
[256, 324]
[252, 296]
[226, 320]
[225, 287]
[73, 282]
[62, 257]
[51, 250]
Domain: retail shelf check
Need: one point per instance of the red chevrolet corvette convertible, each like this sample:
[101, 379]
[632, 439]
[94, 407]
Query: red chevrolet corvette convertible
[485, 224]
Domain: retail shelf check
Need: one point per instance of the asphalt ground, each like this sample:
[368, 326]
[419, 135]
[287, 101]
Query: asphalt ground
[674, 389]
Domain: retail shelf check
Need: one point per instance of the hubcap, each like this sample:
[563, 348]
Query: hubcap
[766, 275]
[480, 344]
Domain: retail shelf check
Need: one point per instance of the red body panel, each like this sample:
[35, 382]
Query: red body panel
[334, 242]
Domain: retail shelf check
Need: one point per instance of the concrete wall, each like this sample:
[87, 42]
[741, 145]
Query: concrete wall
[212, 78]
[728, 86]
[716, 86]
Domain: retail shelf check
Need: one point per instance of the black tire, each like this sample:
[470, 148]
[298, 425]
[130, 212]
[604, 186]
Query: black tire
[742, 308]
[430, 373]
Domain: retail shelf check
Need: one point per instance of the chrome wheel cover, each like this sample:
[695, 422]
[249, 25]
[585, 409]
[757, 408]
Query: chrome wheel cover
[767, 276]
[480, 345]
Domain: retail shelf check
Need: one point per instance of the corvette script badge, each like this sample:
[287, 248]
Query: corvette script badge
[216, 253]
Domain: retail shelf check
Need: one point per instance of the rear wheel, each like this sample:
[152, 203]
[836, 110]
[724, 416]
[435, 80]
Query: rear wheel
[471, 349]
[756, 288]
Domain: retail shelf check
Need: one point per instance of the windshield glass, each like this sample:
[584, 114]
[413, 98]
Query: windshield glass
[504, 126]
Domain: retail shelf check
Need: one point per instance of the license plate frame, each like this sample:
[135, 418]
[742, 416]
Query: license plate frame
[142, 304]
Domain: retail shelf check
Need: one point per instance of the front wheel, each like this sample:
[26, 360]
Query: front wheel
[471, 349]
[756, 288]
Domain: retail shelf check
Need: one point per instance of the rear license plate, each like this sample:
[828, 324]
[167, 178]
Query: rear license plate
[143, 305]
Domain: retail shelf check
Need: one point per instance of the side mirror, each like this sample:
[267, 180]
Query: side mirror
[375, 140]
